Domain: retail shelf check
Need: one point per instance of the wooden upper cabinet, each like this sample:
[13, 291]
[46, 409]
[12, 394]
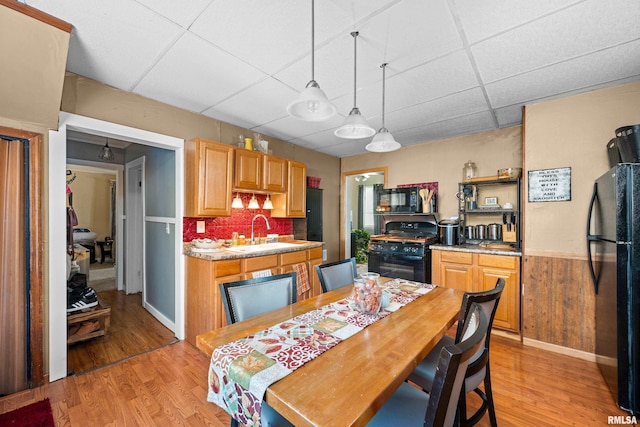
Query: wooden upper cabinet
[259, 172]
[208, 175]
[248, 172]
[274, 177]
[292, 204]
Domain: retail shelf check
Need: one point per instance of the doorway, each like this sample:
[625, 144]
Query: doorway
[354, 212]
[56, 237]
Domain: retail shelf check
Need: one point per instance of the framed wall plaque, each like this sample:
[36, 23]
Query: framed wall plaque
[550, 185]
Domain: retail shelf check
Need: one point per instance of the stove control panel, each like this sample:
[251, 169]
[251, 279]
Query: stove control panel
[390, 248]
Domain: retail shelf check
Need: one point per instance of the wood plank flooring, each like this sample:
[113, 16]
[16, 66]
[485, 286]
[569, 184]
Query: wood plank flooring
[168, 386]
[133, 331]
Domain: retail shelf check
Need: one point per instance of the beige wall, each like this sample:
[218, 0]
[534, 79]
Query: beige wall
[91, 200]
[442, 161]
[572, 132]
[34, 56]
[89, 98]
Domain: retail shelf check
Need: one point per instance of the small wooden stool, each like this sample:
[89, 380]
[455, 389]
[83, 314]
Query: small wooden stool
[105, 249]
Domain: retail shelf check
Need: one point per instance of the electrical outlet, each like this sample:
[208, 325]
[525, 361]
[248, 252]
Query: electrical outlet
[199, 226]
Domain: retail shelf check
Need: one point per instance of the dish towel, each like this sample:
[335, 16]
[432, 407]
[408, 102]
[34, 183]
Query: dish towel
[262, 273]
[302, 279]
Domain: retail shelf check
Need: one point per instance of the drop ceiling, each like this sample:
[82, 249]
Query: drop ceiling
[455, 66]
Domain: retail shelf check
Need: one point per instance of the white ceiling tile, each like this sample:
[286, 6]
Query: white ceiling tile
[195, 75]
[456, 105]
[182, 13]
[579, 30]
[509, 116]
[483, 19]
[255, 104]
[449, 128]
[450, 74]
[271, 35]
[606, 66]
[413, 32]
[101, 44]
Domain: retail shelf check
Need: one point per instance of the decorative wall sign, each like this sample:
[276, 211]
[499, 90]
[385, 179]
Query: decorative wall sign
[550, 185]
[426, 185]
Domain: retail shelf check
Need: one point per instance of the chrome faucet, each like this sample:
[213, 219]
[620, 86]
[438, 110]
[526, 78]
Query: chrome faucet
[253, 221]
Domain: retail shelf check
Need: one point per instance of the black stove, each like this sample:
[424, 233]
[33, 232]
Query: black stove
[403, 250]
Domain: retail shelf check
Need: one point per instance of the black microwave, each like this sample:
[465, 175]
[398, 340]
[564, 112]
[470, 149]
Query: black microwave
[392, 200]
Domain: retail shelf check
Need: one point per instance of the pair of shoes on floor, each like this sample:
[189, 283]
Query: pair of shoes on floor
[81, 300]
[83, 328]
[78, 293]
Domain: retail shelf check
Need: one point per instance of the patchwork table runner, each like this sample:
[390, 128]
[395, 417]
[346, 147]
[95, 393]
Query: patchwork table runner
[241, 371]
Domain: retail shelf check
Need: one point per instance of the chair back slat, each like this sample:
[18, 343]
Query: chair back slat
[247, 298]
[337, 274]
[451, 370]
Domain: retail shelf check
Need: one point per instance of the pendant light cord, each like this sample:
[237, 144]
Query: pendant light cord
[312, 39]
[384, 67]
[355, 70]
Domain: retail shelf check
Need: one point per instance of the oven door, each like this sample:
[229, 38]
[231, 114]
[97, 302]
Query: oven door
[401, 266]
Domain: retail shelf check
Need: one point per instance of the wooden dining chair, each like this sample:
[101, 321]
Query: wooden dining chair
[409, 406]
[478, 370]
[334, 275]
[247, 298]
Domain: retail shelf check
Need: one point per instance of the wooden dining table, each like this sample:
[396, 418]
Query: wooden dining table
[347, 384]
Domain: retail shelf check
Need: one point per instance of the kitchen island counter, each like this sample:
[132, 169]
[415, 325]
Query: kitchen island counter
[248, 251]
[476, 249]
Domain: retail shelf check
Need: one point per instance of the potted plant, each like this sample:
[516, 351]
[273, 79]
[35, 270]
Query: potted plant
[362, 243]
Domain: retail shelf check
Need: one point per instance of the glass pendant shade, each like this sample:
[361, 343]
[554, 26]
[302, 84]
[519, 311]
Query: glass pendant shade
[237, 202]
[355, 126]
[383, 142]
[312, 105]
[253, 203]
[267, 203]
[106, 154]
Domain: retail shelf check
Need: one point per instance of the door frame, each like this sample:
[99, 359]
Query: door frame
[345, 190]
[56, 234]
[135, 235]
[118, 171]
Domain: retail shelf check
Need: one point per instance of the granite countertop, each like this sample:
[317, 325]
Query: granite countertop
[263, 249]
[476, 249]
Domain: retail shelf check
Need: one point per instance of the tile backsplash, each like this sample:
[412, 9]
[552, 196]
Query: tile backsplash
[240, 220]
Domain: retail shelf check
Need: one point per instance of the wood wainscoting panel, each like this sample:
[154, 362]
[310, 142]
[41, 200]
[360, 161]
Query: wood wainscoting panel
[558, 304]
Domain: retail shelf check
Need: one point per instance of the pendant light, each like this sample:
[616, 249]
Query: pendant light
[383, 141]
[355, 126]
[267, 203]
[237, 202]
[253, 203]
[312, 105]
[106, 154]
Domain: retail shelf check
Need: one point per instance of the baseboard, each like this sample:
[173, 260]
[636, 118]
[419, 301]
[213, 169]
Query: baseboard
[160, 317]
[579, 354]
[506, 334]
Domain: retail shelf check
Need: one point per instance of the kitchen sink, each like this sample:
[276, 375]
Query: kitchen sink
[249, 249]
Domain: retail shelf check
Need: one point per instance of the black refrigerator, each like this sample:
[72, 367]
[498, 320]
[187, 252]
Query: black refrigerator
[613, 242]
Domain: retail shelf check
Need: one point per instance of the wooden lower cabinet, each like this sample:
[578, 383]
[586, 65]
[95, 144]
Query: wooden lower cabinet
[204, 310]
[476, 272]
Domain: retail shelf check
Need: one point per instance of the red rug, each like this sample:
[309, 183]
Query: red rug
[37, 414]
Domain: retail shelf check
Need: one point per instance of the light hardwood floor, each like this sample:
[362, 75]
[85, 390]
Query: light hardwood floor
[133, 330]
[168, 386]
